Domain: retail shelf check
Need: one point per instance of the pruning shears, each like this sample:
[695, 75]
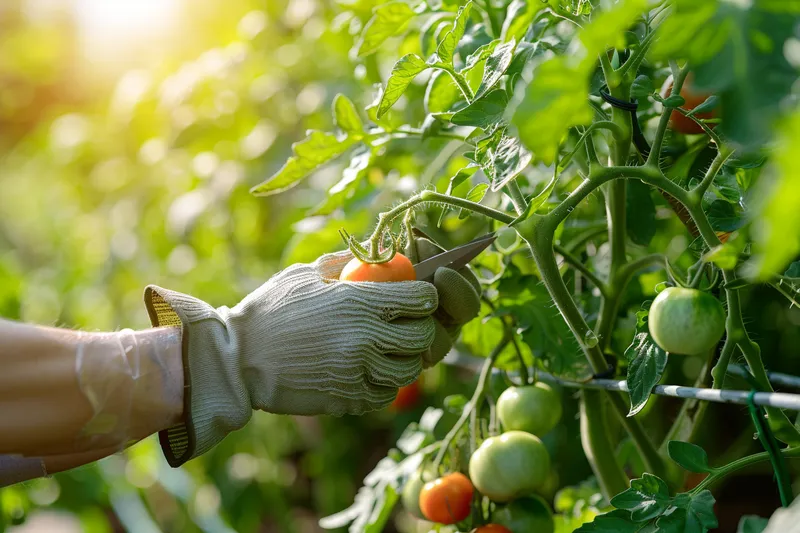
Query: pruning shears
[455, 258]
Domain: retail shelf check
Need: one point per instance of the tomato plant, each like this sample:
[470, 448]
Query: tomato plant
[446, 500]
[534, 408]
[510, 465]
[526, 514]
[692, 99]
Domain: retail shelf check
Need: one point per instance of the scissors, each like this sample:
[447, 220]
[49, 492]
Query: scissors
[455, 258]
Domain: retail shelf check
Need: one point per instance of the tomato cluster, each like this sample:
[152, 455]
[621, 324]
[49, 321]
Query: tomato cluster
[511, 470]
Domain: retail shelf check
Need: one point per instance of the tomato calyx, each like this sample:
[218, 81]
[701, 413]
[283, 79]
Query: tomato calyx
[362, 254]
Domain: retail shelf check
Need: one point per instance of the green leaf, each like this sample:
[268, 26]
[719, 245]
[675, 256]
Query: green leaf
[647, 498]
[640, 213]
[701, 510]
[793, 271]
[475, 194]
[777, 230]
[725, 256]
[519, 16]
[673, 101]
[442, 93]
[312, 152]
[387, 20]
[484, 112]
[447, 47]
[752, 524]
[460, 177]
[537, 201]
[724, 216]
[709, 104]
[496, 65]
[345, 188]
[346, 116]
[642, 86]
[613, 522]
[403, 73]
[689, 456]
[502, 158]
[646, 363]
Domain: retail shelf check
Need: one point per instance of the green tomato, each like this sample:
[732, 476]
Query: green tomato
[525, 515]
[410, 494]
[686, 321]
[535, 409]
[509, 466]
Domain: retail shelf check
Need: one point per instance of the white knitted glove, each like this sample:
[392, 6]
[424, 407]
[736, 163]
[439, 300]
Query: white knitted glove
[303, 343]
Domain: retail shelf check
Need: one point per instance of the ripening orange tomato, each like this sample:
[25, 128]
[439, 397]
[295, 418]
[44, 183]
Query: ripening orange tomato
[492, 528]
[694, 98]
[447, 500]
[399, 268]
[407, 397]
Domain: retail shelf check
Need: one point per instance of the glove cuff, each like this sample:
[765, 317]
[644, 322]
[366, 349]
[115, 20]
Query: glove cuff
[215, 401]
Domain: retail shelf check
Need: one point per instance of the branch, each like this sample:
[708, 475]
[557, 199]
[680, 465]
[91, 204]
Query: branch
[724, 471]
[631, 66]
[678, 77]
[517, 198]
[722, 156]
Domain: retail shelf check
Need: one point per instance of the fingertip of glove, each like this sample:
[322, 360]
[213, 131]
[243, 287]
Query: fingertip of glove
[458, 297]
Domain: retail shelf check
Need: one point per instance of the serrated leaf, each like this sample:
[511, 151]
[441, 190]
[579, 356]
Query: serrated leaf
[344, 188]
[640, 213]
[724, 216]
[312, 152]
[346, 116]
[479, 55]
[403, 73]
[519, 16]
[496, 65]
[387, 20]
[646, 363]
[447, 47]
[504, 161]
[460, 177]
[483, 112]
[642, 86]
[613, 522]
[701, 508]
[647, 498]
[689, 456]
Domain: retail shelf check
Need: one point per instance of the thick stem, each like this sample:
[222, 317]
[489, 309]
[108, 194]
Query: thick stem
[597, 445]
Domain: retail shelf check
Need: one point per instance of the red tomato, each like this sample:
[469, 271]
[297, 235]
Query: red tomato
[407, 397]
[492, 528]
[447, 500]
[683, 124]
[399, 268]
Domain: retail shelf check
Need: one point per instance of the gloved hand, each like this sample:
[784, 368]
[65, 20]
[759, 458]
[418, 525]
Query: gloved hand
[459, 297]
[303, 343]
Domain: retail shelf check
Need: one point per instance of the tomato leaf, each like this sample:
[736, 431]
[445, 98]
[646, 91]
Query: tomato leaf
[496, 65]
[640, 213]
[447, 46]
[503, 159]
[648, 497]
[346, 116]
[646, 363]
[310, 153]
[642, 86]
[724, 216]
[442, 93]
[519, 16]
[725, 256]
[613, 522]
[460, 177]
[483, 112]
[689, 456]
[345, 188]
[387, 20]
[475, 194]
[403, 73]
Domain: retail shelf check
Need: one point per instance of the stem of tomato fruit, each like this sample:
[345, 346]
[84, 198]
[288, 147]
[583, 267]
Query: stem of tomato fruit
[477, 397]
[724, 471]
[385, 219]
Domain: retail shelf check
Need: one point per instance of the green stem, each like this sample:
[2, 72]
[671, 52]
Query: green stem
[721, 368]
[517, 198]
[575, 263]
[631, 67]
[708, 131]
[597, 445]
[602, 124]
[477, 396]
[679, 76]
[386, 219]
[723, 154]
[466, 90]
[721, 473]
[491, 14]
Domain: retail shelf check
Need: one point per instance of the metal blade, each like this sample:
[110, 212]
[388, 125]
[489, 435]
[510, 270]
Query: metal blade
[455, 258]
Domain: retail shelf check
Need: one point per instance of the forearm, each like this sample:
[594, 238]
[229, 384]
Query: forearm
[63, 392]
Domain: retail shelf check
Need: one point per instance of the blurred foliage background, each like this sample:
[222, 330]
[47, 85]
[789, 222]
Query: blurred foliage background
[130, 134]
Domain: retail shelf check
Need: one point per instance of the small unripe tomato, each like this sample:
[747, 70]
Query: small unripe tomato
[447, 500]
[694, 98]
[398, 268]
[407, 397]
[686, 321]
[410, 494]
[535, 409]
[511, 465]
[493, 528]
